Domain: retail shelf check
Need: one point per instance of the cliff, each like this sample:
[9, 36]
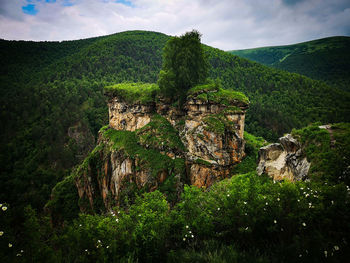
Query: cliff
[150, 144]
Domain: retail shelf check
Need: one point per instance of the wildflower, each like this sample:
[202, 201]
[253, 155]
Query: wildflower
[332, 202]
[116, 220]
[10, 245]
[267, 203]
[274, 181]
[186, 235]
[186, 226]
[282, 229]
[4, 208]
[275, 221]
[218, 208]
[264, 197]
[192, 236]
[18, 255]
[1, 233]
[184, 239]
[246, 228]
[301, 188]
[246, 214]
[228, 195]
[278, 199]
[304, 224]
[190, 232]
[245, 202]
[306, 195]
[22, 251]
[325, 253]
[79, 224]
[0, 205]
[300, 255]
[139, 214]
[298, 200]
[107, 247]
[86, 250]
[336, 248]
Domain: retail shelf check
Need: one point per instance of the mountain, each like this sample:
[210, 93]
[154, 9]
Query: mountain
[53, 105]
[326, 59]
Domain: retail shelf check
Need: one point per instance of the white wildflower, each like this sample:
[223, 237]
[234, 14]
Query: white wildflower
[301, 188]
[304, 224]
[190, 232]
[325, 253]
[246, 214]
[267, 203]
[1, 233]
[298, 200]
[10, 245]
[107, 247]
[336, 248]
[4, 208]
[186, 235]
[186, 226]
[300, 255]
[245, 202]
[218, 208]
[332, 202]
[278, 199]
[139, 214]
[275, 221]
[22, 251]
[247, 228]
[0, 205]
[116, 220]
[228, 195]
[18, 255]
[184, 239]
[79, 224]
[192, 236]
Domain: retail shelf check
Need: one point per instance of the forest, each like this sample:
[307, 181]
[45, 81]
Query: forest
[53, 107]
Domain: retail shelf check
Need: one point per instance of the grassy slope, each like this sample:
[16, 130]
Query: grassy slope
[326, 59]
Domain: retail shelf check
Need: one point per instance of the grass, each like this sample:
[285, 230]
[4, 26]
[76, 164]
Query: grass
[213, 92]
[133, 93]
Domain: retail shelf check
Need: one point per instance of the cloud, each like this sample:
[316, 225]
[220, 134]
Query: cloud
[225, 24]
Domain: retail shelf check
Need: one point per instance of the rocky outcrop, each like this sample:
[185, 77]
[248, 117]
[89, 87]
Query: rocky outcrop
[123, 116]
[156, 145]
[283, 160]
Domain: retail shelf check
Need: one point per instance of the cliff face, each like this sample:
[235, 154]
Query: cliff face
[154, 145]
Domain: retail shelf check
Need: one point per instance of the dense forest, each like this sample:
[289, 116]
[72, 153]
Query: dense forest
[52, 107]
[324, 59]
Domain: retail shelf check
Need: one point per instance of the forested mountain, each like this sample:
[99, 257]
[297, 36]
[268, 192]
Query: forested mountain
[51, 88]
[326, 59]
[52, 106]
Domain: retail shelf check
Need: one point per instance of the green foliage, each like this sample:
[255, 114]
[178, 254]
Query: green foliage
[212, 92]
[327, 150]
[184, 65]
[133, 92]
[64, 200]
[324, 59]
[252, 146]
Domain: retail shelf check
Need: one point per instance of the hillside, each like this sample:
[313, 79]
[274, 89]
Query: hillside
[326, 59]
[52, 107]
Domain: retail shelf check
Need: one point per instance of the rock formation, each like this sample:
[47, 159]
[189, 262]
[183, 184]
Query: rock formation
[283, 160]
[156, 145]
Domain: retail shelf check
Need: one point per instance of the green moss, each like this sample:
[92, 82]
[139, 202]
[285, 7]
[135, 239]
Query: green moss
[218, 123]
[160, 134]
[232, 110]
[129, 143]
[202, 162]
[133, 92]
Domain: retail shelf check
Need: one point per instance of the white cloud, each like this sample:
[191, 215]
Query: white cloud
[225, 24]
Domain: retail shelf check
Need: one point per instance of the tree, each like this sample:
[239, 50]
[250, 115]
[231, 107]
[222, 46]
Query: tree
[184, 65]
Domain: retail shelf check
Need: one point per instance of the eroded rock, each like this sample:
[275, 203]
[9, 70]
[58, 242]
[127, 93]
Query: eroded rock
[283, 160]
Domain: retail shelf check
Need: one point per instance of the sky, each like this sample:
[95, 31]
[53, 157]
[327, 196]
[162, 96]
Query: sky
[224, 24]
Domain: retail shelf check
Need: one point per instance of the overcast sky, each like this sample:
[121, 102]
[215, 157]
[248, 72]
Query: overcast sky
[224, 24]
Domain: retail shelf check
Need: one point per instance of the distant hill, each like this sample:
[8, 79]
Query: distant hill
[51, 98]
[326, 59]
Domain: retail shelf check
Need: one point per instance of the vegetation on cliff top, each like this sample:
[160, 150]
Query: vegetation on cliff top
[212, 91]
[133, 93]
[184, 66]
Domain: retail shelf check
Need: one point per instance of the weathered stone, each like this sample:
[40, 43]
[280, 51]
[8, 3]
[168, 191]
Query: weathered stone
[209, 157]
[284, 160]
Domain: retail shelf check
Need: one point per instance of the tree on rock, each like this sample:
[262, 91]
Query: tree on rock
[184, 66]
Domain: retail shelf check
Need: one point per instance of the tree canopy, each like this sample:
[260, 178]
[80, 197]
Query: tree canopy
[184, 65]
